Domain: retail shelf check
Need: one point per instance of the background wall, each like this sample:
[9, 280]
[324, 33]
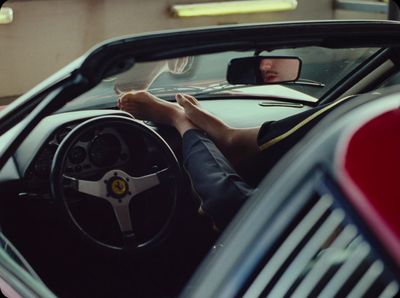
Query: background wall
[47, 34]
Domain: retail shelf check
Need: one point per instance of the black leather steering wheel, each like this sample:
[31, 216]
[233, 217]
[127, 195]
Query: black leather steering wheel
[116, 178]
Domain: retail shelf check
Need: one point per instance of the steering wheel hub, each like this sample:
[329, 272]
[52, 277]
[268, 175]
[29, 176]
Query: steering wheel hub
[117, 187]
[111, 188]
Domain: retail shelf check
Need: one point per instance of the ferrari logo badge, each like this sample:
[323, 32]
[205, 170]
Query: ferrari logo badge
[119, 187]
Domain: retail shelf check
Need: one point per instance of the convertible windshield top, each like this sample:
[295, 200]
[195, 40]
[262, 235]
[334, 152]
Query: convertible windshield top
[204, 76]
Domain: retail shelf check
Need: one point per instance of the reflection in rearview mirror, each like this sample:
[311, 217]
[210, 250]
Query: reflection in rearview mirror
[263, 70]
[279, 70]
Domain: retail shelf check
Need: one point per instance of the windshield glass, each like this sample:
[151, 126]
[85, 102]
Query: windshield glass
[204, 76]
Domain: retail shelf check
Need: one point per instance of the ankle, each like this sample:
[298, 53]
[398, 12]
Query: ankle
[182, 123]
[176, 116]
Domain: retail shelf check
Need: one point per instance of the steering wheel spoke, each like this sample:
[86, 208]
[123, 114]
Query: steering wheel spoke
[123, 215]
[94, 188]
[116, 187]
[138, 185]
[117, 184]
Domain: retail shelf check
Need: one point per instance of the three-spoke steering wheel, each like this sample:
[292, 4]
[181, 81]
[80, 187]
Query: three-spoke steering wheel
[116, 186]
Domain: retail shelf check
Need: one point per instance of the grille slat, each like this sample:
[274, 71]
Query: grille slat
[323, 255]
[367, 280]
[324, 263]
[390, 291]
[346, 270]
[289, 246]
[312, 247]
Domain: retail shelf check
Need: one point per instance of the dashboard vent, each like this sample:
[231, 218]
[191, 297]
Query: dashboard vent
[323, 255]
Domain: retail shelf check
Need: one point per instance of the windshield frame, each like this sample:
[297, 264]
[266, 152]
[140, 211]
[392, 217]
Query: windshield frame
[117, 55]
[204, 81]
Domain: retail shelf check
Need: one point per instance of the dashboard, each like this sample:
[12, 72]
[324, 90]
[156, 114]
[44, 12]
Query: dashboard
[96, 150]
[99, 149]
[109, 148]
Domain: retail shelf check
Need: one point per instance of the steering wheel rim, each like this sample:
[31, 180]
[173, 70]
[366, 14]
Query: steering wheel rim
[126, 187]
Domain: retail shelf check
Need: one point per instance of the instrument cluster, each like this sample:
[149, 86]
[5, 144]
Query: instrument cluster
[98, 149]
[101, 148]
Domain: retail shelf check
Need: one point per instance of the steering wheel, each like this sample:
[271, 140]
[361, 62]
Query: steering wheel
[105, 171]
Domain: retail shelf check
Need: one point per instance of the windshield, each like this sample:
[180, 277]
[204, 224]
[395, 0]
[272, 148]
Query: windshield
[204, 76]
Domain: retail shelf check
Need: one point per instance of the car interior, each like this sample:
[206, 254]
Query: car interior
[64, 205]
[313, 235]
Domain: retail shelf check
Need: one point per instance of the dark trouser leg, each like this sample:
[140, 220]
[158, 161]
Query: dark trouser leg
[220, 189]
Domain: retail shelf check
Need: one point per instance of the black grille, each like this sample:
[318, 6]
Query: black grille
[323, 255]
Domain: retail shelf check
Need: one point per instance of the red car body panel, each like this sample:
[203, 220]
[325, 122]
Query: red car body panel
[369, 173]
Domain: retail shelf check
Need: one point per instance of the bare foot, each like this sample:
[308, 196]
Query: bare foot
[218, 130]
[145, 106]
[235, 144]
[199, 117]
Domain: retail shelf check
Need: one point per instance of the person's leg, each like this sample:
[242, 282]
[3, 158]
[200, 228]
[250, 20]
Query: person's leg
[237, 144]
[145, 106]
[220, 189]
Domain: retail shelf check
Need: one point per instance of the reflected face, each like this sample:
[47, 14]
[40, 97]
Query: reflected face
[279, 70]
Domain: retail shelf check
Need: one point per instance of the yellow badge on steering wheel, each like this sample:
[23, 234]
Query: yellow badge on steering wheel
[119, 187]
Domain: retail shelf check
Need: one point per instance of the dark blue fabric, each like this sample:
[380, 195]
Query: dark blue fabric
[220, 189]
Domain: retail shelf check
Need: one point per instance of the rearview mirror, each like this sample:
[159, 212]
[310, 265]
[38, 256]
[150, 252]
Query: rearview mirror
[259, 70]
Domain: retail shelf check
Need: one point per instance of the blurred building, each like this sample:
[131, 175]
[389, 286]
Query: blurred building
[47, 34]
